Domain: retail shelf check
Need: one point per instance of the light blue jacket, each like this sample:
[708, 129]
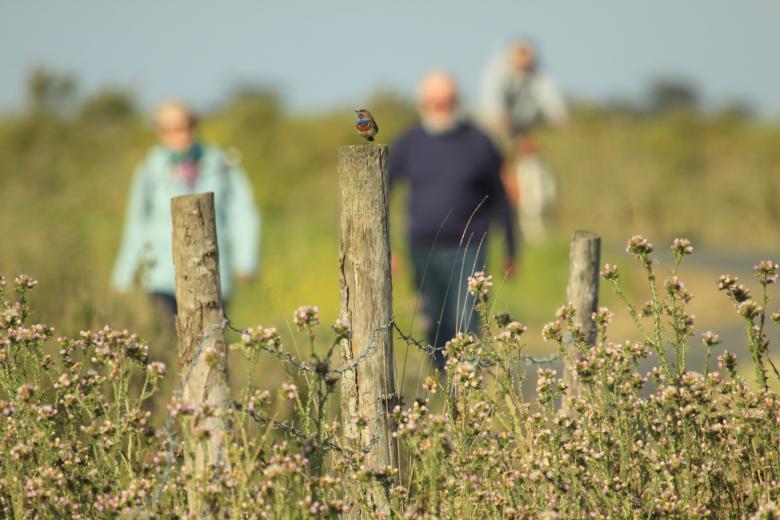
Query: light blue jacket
[147, 236]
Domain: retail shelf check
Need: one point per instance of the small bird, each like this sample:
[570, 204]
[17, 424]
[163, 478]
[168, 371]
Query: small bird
[365, 124]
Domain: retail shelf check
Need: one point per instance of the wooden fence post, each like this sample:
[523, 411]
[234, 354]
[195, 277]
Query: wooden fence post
[200, 328]
[368, 391]
[582, 292]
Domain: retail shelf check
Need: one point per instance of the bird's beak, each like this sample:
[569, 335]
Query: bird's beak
[357, 111]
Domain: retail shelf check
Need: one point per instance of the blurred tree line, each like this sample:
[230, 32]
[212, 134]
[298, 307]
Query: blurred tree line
[662, 167]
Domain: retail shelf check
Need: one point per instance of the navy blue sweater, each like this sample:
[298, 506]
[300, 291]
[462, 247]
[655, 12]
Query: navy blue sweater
[455, 186]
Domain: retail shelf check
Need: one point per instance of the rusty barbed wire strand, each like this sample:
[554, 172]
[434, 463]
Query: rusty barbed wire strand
[301, 366]
[430, 350]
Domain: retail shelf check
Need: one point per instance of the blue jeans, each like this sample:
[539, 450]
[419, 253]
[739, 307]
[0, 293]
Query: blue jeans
[441, 276]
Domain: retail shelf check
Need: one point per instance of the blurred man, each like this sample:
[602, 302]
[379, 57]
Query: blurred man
[516, 99]
[178, 165]
[453, 173]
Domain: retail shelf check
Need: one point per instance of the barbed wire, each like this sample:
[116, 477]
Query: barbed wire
[431, 350]
[301, 366]
[545, 360]
[281, 354]
[427, 348]
[372, 345]
[286, 427]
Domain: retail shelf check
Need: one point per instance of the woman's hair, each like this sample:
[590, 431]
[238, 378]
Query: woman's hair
[164, 110]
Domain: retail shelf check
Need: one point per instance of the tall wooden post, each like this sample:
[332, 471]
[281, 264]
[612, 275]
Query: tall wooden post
[368, 391]
[582, 292]
[199, 324]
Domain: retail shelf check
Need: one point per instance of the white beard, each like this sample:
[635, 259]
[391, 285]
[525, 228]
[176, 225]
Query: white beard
[441, 127]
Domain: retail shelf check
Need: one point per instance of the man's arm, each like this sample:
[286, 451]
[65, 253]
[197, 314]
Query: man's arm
[551, 102]
[501, 206]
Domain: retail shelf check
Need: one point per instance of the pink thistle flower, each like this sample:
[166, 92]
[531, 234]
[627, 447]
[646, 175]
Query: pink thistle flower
[639, 246]
[305, 317]
[479, 285]
[682, 246]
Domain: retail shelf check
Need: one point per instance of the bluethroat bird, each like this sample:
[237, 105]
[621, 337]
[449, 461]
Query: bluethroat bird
[365, 124]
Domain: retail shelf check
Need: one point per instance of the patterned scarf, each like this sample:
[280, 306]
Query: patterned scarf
[185, 164]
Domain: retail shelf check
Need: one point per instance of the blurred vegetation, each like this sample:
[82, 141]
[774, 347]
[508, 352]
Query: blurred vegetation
[66, 160]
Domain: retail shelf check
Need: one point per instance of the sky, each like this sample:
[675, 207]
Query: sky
[338, 52]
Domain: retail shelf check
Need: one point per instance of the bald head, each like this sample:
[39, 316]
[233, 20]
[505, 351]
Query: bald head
[438, 100]
[175, 126]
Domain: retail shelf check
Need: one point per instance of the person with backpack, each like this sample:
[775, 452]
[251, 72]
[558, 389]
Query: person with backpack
[516, 99]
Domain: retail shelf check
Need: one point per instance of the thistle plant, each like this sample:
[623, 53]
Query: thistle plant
[645, 435]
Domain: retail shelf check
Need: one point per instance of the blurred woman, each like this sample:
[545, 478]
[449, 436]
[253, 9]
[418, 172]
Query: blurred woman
[178, 165]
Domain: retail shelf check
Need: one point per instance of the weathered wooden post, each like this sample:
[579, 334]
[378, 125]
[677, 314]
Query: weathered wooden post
[200, 328]
[368, 391]
[582, 292]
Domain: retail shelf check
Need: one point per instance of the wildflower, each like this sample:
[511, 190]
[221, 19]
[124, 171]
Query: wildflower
[431, 384]
[260, 337]
[552, 331]
[341, 328]
[257, 400]
[602, 317]
[178, 407]
[545, 378]
[462, 344]
[305, 317]
[566, 312]
[682, 246]
[511, 331]
[710, 339]
[676, 289]
[466, 373]
[610, 272]
[684, 323]
[726, 282]
[6, 408]
[45, 411]
[24, 281]
[728, 361]
[156, 369]
[749, 309]
[361, 421]
[639, 246]
[766, 272]
[290, 389]
[63, 381]
[767, 511]
[480, 284]
[25, 392]
[776, 317]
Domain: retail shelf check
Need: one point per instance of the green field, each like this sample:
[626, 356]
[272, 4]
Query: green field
[684, 446]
